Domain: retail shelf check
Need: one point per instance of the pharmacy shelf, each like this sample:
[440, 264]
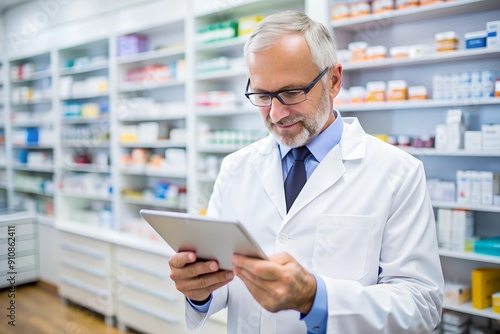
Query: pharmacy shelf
[218, 149]
[415, 104]
[157, 144]
[90, 143]
[83, 70]
[35, 76]
[29, 168]
[143, 172]
[154, 118]
[470, 54]
[142, 86]
[84, 120]
[467, 308]
[470, 256]
[171, 52]
[466, 206]
[441, 152]
[221, 74]
[34, 146]
[33, 102]
[429, 12]
[32, 191]
[33, 123]
[226, 111]
[90, 168]
[153, 203]
[85, 96]
[81, 195]
[236, 43]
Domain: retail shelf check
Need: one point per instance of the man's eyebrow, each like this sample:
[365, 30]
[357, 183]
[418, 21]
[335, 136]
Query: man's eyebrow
[287, 87]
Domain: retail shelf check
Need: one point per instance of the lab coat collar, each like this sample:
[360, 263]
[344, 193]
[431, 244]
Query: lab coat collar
[267, 163]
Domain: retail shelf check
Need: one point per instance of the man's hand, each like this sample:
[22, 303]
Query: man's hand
[278, 284]
[197, 280]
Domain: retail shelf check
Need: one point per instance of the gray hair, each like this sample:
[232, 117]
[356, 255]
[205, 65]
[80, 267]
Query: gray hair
[317, 36]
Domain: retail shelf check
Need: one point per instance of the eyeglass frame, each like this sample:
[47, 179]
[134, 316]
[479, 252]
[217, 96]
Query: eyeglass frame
[276, 94]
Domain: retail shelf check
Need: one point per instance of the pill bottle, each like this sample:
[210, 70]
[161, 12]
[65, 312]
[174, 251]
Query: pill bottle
[382, 6]
[359, 8]
[397, 90]
[417, 93]
[340, 11]
[399, 51]
[376, 52]
[357, 94]
[375, 91]
[446, 41]
[358, 50]
[404, 4]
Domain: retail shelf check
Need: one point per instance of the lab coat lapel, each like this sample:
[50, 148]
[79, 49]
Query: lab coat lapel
[267, 164]
[352, 146]
[329, 171]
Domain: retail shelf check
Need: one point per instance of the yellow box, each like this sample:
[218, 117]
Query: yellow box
[247, 24]
[495, 300]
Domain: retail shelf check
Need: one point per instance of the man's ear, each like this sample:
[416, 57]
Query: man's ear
[335, 80]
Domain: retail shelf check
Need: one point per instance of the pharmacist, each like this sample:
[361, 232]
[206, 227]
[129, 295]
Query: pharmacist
[356, 252]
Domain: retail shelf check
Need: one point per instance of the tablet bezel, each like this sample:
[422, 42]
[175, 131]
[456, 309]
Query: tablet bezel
[211, 238]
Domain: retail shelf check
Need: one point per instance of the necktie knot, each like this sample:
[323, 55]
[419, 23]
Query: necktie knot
[300, 153]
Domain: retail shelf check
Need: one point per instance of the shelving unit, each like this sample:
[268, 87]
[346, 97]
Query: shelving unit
[225, 120]
[421, 117]
[152, 113]
[84, 179]
[32, 139]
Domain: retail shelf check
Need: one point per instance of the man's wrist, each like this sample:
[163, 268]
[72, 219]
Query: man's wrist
[201, 302]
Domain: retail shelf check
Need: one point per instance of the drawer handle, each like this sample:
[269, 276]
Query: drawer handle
[166, 296]
[102, 293]
[156, 314]
[140, 268]
[90, 271]
[83, 251]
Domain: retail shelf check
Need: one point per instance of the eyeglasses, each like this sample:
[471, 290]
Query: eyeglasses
[287, 97]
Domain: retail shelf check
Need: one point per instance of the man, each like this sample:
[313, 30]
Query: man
[356, 251]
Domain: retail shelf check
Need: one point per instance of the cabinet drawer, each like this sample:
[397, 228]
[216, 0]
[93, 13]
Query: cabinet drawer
[20, 277]
[22, 228]
[149, 320]
[93, 277]
[22, 263]
[85, 251]
[99, 300]
[166, 303]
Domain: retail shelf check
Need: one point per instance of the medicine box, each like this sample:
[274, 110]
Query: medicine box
[490, 246]
[456, 294]
[473, 140]
[493, 30]
[491, 136]
[475, 39]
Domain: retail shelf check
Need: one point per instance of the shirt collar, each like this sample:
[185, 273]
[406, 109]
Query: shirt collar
[324, 142]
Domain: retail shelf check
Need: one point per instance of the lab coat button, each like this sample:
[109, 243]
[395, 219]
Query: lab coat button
[283, 238]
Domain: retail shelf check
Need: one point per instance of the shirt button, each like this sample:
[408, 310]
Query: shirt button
[283, 238]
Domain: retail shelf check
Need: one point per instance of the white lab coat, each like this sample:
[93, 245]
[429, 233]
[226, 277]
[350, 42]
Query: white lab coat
[363, 221]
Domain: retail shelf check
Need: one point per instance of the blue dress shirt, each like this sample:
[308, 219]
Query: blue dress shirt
[316, 320]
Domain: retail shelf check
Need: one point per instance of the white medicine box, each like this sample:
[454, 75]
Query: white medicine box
[491, 136]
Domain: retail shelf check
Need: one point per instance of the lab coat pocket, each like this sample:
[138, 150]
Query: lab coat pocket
[342, 245]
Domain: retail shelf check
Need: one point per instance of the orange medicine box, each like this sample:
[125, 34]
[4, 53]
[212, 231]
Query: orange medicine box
[340, 11]
[375, 91]
[382, 6]
[403, 4]
[417, 93]
[358, 50]
[397, 90]
[359, 8]
[446, 41]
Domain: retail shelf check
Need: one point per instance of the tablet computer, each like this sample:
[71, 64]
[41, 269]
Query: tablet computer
[210, 238]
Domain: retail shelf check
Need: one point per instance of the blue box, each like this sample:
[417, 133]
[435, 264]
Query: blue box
[475, 39]
[489, 246]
